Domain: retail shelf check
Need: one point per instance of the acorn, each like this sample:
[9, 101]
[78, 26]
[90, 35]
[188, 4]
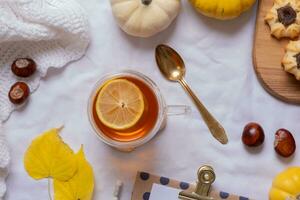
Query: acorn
[23, 67]
[19, 93]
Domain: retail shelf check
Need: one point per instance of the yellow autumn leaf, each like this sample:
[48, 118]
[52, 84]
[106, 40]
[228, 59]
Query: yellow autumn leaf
[81, 186]
[48, 156]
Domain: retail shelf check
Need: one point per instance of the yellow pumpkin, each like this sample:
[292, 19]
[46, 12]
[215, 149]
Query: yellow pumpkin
[286, 185]
[222, 9]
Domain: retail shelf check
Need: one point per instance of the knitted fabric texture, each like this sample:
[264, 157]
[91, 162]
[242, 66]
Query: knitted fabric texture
[4, 162]
[51, 32]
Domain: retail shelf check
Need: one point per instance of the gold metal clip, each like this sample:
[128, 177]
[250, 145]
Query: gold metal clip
[206, 176]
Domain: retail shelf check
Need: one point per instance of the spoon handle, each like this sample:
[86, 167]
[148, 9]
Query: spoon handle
[214, 126]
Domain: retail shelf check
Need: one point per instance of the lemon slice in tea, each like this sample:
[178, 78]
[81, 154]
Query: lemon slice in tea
[119, 104]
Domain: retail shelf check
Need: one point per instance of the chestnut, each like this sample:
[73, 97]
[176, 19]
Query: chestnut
[18, 93]
[253, 135]
[284, 144]
[23, 67]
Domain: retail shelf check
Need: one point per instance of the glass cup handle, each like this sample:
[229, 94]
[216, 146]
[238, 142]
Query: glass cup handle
[178, 110]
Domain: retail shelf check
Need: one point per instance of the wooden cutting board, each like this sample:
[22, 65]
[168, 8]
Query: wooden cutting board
[267, 55]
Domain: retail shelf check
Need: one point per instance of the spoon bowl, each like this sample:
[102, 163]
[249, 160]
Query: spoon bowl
[172, 67]
[170, 63]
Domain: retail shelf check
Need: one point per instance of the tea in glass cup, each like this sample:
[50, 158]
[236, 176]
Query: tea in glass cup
[127, 109]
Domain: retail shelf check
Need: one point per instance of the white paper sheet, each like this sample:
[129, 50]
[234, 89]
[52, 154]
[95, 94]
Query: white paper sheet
[160, 192]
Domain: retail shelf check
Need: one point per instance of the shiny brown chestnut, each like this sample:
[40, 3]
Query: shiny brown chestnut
[23, 67]
[253, 135]
[284, 144]
[19, 93]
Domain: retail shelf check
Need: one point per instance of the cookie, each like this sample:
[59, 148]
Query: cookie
[284, 19]
[291, 59]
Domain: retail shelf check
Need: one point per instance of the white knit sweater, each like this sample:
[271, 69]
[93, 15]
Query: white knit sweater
[51, 32]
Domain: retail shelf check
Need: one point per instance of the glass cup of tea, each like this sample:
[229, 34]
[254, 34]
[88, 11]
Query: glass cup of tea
[127, 109]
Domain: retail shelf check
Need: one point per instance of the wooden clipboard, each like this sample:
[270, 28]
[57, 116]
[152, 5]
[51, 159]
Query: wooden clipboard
[144, 182]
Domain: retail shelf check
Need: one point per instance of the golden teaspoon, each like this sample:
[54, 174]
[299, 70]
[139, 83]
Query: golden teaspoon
[172, 67]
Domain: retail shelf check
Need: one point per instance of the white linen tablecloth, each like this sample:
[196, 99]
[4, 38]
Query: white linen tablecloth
[218, 57]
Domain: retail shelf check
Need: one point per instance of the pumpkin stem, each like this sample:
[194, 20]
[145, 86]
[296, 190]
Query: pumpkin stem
[146, 2]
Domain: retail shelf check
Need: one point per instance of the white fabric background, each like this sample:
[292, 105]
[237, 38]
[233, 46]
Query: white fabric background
[218, 57]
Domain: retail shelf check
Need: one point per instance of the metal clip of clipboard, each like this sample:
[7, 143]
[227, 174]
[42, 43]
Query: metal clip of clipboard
[206, 176]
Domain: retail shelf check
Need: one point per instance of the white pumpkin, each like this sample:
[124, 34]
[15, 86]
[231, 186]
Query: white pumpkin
[145, 18]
